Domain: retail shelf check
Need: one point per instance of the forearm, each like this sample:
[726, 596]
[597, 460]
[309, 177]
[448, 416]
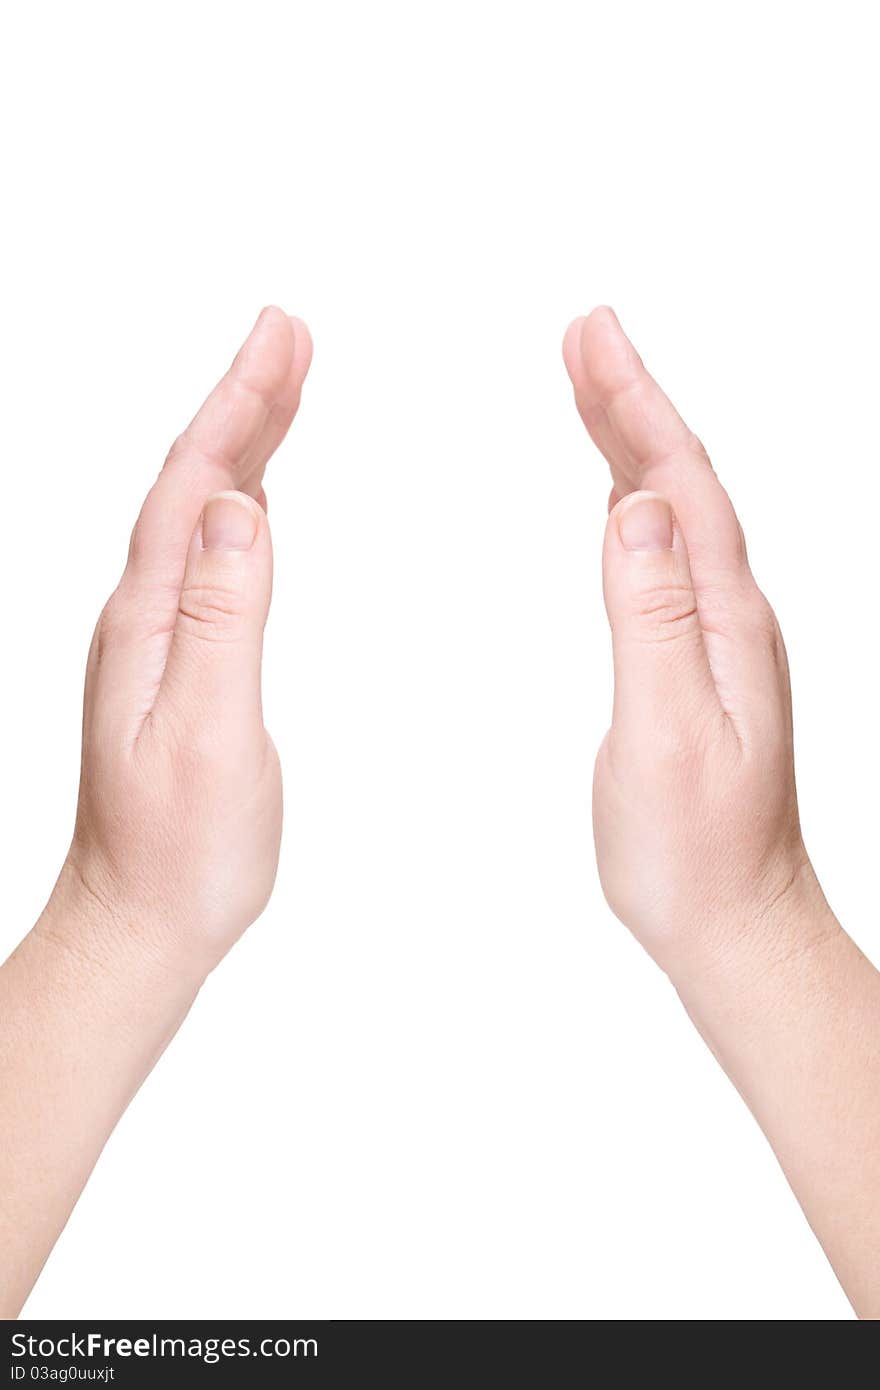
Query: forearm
[793, 1015]
[87, 1006]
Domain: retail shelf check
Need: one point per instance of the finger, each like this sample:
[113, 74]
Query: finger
[593, 414]
[648, 445]
[226, 443]
[211, 682]
[282, 412]
[662, 678]
[230, 439]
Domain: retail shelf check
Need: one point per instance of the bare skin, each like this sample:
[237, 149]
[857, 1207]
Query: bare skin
[179, 819]
[697, 833]
[695, 810]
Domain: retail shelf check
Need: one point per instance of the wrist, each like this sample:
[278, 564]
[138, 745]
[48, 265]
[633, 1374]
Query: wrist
[761, 956]
[99, 934]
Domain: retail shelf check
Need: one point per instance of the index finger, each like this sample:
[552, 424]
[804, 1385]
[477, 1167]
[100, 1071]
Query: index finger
[647, 443]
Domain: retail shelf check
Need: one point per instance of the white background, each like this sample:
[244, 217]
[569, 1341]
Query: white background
[438, 1079]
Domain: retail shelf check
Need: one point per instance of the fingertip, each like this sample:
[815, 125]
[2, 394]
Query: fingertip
[271, 311]
[265, 357]
[274, 324]
[235, 497]
[571, 337]
[603, 313]
[230, 520]
[597, 353]
[622, 523]
[609, 360]
[601, 325]
[625, 500]
[302, 335]
[644, 521]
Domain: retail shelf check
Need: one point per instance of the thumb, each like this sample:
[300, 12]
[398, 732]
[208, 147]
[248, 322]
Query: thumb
[661, 671]
[212, 675]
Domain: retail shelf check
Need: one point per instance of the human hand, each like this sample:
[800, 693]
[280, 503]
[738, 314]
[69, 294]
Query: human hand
[179, 818]
[695, 810]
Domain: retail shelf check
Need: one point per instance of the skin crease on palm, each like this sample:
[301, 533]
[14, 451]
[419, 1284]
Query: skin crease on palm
[696, 822]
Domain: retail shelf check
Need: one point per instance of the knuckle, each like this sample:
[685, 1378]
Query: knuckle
[179, 447]
[766, 632]
[697, 447]
[144, 527]
[208, 613]
[110, 625]
[666, 613]
[136, 546]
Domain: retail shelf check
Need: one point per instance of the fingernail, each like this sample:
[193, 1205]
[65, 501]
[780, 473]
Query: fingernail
[228, 523]
[646, 524]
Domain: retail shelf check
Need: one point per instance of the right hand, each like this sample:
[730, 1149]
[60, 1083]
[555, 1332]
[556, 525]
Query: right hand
[179, 818]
